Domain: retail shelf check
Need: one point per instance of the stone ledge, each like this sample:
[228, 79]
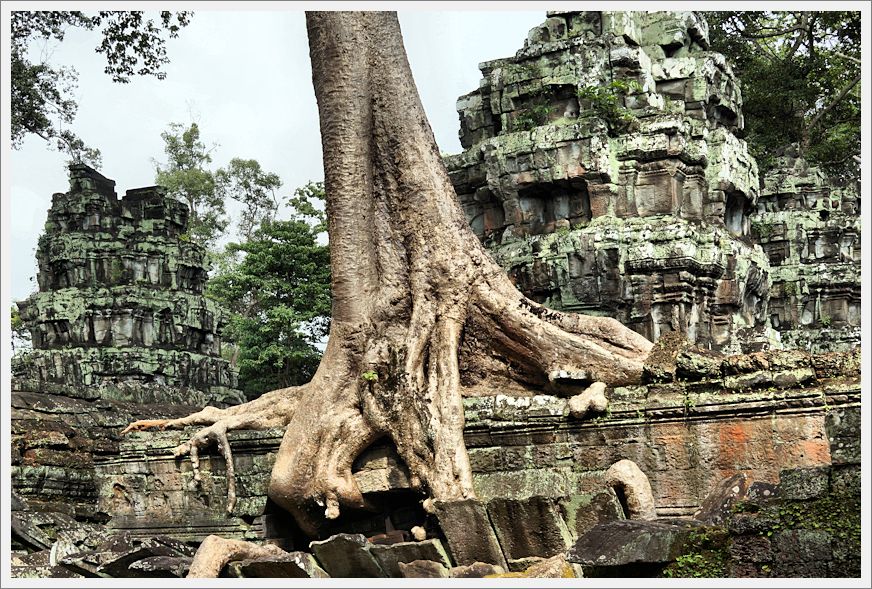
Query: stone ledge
[519, 447]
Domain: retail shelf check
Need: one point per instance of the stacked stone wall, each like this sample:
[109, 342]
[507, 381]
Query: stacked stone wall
[121, 309]
[604, 169]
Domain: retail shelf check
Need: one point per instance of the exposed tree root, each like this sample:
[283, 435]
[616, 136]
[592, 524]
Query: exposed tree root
[273, 409]
[215, 552]
[421, 313]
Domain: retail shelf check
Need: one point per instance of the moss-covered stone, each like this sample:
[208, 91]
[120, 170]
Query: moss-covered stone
[659, 221]
[121, 311]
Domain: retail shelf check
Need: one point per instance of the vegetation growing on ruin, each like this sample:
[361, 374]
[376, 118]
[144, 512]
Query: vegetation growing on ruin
[811, 60]
[607, 102]
[536, 114]
[836, 514]
[704, 555]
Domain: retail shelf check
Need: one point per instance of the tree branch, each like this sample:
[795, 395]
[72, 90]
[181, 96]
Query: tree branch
[839, 97]
[804, 26]
[799, 27]
[848, 57]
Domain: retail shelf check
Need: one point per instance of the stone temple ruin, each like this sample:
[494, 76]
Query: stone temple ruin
[810, 232]
[742, 465]
[652, 212]
[120, 328]
[120, 308]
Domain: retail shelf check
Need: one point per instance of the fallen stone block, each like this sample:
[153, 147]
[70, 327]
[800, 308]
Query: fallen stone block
[44, 572]
[476, 570]
[161, 566]
[530, 527]
[292, 565]
[389, 556]
[583, 512]
[628, 542]
[716, 507]
[85, 538]
[38, 558]
[114, 556]
[346, 555]
[423, 569]
[41, 529]
[555, 567]
[468, 531]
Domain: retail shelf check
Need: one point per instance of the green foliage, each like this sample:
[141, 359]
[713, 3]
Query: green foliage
[837, 514]
[704, 555]
[810, 61]
[277, 287]
[186, 176]
[370, 376]
[690, 400]
[744, 507]
[826, 320]
[530, 118]
[42, 101]
[536, 114]
[761, 229]
[20, 333]
[607, 103]
[16, 321]
[834, 513]
[303, 204]
[246, 182]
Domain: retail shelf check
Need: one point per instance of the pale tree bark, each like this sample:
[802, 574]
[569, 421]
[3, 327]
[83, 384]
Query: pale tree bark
[421, 314]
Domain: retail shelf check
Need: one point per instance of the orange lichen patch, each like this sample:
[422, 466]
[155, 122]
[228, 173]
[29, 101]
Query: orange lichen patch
[804, 453]
[741, 445]
[734, 434]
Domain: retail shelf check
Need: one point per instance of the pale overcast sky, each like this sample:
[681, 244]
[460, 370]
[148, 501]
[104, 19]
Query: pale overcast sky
[245, 77]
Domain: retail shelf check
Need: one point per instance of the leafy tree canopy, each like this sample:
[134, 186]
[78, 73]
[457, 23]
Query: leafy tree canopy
[308, 205]
[187, 177]
[42, 101]
[800, 75]
[276, 285]
[245, 181]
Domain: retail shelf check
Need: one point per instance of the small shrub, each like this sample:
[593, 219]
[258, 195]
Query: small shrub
[761, 229]
[606, 102]
[532, 117]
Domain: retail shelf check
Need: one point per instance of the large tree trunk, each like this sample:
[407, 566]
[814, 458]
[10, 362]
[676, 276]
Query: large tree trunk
[421, 314]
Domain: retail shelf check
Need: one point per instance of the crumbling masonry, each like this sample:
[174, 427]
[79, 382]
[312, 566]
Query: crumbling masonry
[604, 168]
[121, 311]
